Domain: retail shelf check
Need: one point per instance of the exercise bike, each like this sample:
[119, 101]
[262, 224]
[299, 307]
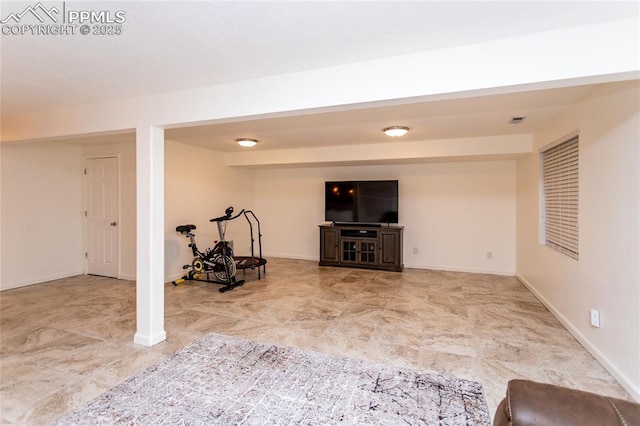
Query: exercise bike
[217, 260]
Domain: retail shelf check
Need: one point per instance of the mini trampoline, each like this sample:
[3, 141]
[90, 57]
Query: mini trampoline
[252, 261]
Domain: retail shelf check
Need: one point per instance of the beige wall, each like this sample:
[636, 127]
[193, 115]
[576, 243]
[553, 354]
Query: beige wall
[607, 275]
[41, 213]
[198, 187]
[42, 207]
[453, 213]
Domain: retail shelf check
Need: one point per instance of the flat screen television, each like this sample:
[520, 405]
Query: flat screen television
[367, 201]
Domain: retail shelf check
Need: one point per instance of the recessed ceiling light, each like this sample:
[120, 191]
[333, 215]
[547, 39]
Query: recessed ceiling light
[516, 120]
[395, 131]
[247, 143]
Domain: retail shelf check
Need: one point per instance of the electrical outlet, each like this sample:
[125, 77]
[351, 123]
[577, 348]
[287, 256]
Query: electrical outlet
[489, 255]
[594, 316]
[415, 250]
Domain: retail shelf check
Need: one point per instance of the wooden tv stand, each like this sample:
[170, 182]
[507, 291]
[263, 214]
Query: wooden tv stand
[374, 247]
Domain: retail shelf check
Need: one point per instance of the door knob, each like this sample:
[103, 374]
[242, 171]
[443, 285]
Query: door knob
[113, 223]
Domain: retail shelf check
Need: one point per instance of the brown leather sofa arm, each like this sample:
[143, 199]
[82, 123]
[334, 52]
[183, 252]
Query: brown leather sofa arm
[531, 403]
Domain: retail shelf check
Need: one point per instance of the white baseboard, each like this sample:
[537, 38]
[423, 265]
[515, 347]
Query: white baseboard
[167, 279]
[148, 340]
[414, 266]
[41, 279]
[624, 381]
[293, 256]
[467, 270]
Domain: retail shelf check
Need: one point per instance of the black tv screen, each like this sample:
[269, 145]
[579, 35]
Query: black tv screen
[369, 201]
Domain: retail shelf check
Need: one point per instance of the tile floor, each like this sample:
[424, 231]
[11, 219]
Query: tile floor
[64, 342]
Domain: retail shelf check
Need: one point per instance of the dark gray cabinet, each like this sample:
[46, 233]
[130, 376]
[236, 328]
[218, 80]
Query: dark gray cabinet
[329, 245]
[361, 246]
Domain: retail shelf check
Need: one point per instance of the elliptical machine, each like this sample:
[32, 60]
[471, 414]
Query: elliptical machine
[217, 260]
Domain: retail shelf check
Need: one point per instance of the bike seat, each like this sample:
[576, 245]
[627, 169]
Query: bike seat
[184, 229]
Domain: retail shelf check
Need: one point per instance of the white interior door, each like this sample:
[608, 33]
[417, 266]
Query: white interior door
[102, 212]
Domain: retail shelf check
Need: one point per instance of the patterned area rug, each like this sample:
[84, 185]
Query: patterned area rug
[221, 380]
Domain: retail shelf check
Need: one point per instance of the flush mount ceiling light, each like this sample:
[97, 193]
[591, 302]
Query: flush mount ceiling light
[247, 143]
[395, 131]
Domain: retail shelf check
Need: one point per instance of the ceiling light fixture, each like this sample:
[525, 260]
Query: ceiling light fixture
[395, 131]
[247, 143]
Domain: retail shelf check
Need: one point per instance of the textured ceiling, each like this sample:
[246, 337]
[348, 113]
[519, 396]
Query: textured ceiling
[175, 45]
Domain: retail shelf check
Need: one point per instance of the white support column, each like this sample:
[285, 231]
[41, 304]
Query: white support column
[150, 235]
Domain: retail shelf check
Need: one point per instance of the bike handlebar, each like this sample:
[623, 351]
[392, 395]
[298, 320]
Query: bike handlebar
[227, 216]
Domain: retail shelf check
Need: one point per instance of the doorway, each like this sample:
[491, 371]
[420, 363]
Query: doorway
[102, 214]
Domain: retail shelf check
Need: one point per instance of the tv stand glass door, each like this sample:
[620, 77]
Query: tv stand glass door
[359, 252]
